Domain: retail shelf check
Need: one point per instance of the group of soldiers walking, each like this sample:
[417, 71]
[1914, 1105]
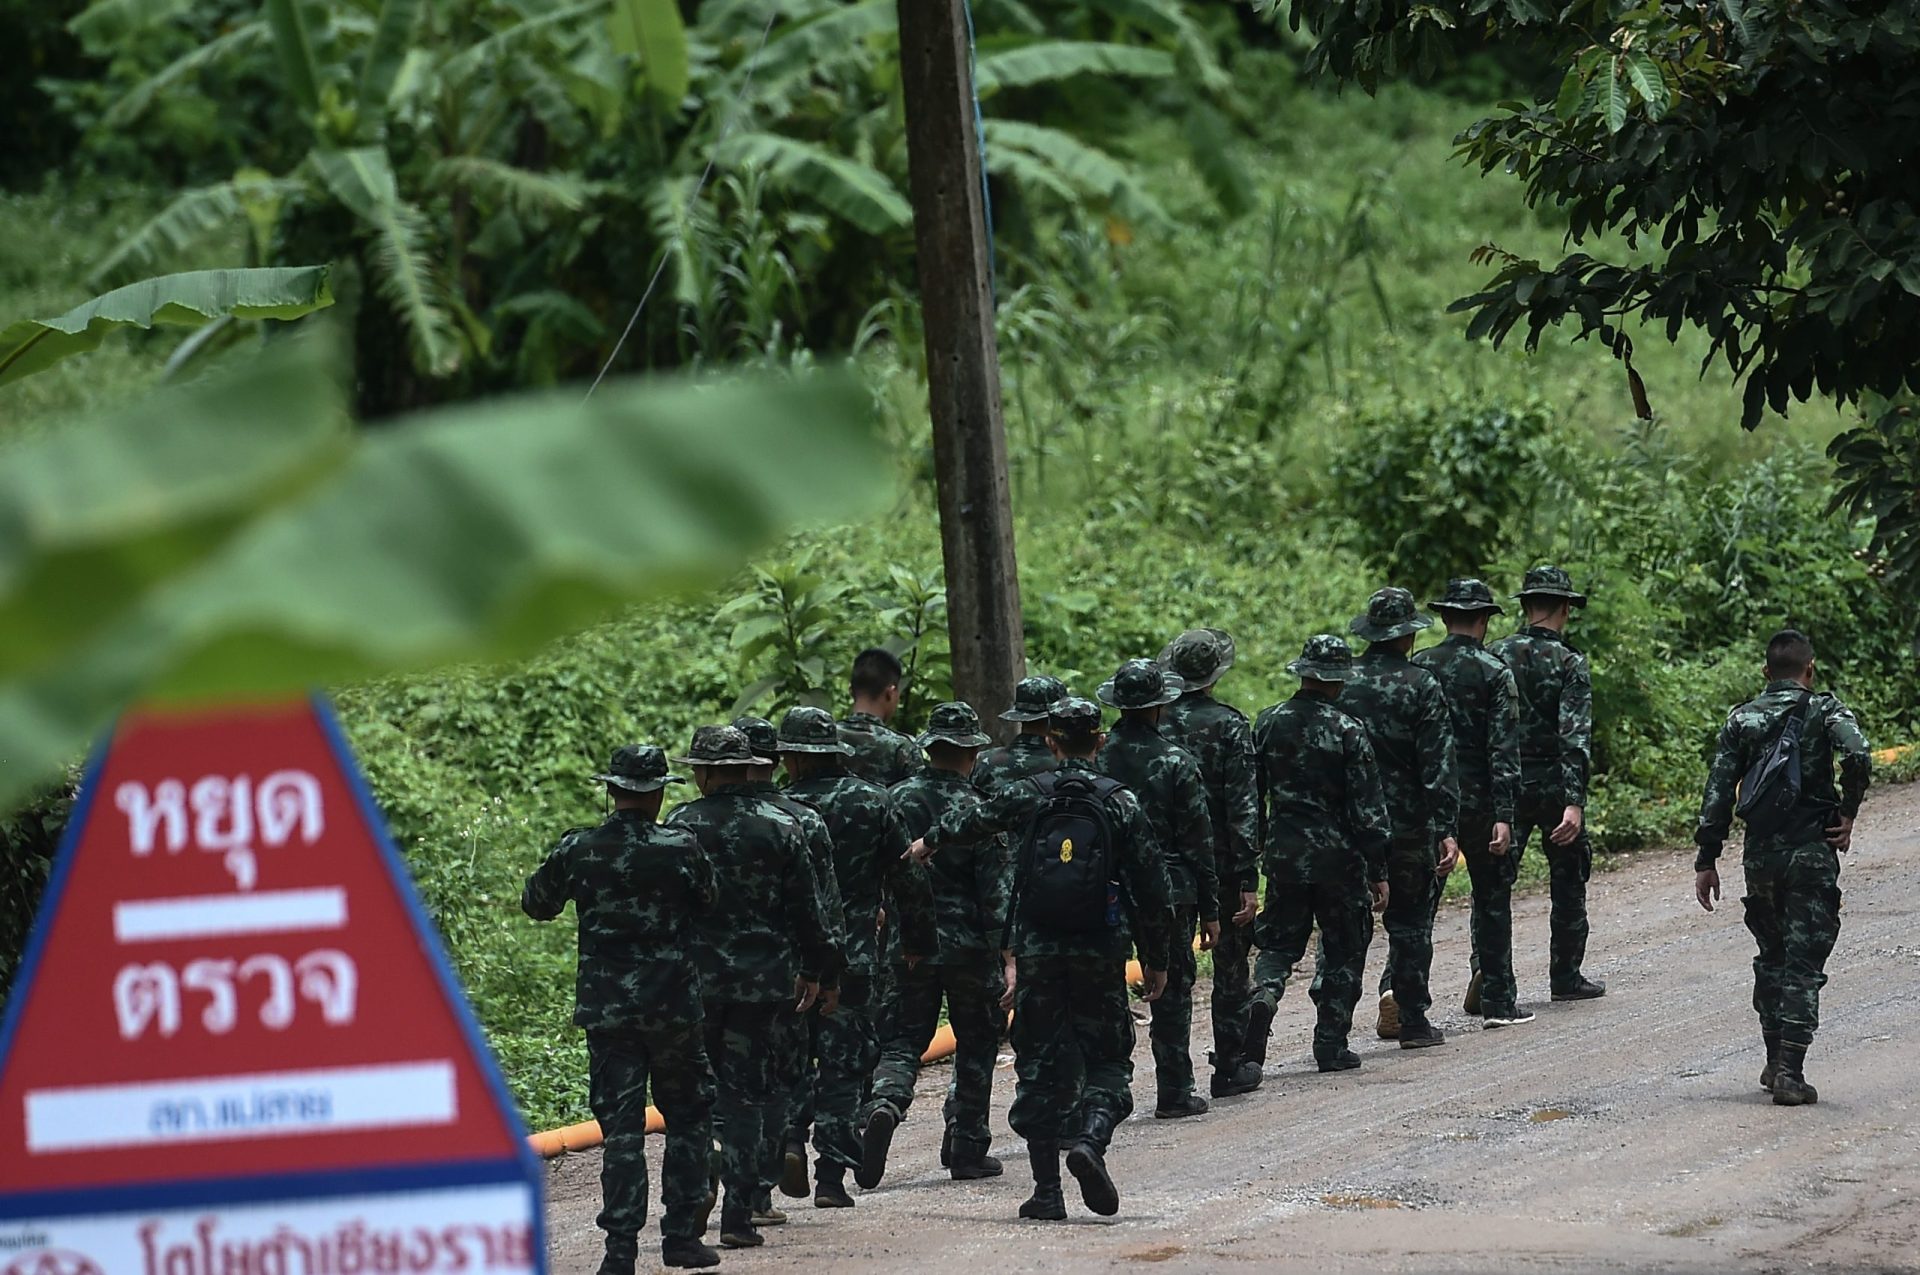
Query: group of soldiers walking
[770, 963]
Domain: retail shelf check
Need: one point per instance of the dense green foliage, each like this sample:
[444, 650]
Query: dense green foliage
[1247, 421]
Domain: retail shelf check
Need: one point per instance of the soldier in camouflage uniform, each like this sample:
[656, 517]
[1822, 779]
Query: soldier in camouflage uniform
[636, 888]
[966, 971]
[1221, 740]
[1028, 753]
[1793, 867]
[792, 1037]
[1556, 746]
[1166, 779]
[881, 755]
[767, 947]
[1486, 744]
[1072, 1030]
[869, 845]
[1324, 833]
[1405, 713]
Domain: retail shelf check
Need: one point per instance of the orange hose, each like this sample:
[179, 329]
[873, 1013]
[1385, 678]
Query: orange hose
[1888, 756]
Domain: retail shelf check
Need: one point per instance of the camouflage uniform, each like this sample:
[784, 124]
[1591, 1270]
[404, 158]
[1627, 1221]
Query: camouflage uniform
[770, 930]
[1556, 747]
[1166, 779]
[881, 755]
[965, 972]
[869, 842]
[1407, 721]
[637, 887]
[1484, 702]
[1221, 740]
[1793, 875]
[1325, 834]
[1026, 753]
[1072, 1031]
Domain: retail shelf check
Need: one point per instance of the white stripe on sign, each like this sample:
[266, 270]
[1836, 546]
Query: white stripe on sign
[215, 915]
[219, 1108]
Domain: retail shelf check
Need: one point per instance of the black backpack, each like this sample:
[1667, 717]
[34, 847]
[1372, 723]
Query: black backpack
[1067, 853]
[1770, 790]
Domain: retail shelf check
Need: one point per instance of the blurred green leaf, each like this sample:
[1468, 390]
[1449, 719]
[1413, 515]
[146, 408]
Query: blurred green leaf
[652, 30]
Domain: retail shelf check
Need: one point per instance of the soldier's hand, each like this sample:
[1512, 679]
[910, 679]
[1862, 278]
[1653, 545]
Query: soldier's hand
[829, 1000]
[805, 993]
[1209, 935]
[1249, 908]
[1706, 887]
[912, 958]
[1840, 836]
[1571, 821]
[1153, 982]
[1449, 856]
[918, 851]
[1379, 889]
[1502, 839]
[1013, 977]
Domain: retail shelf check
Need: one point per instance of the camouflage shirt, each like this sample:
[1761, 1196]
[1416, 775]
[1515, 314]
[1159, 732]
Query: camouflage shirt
[1021, 757]
[768, 926]
[1830, 734]
[1323, 815]
[636, 887]
[969, 879]
[1221, 741]
[1486, 723]
[869, 841]
[1166, 779]
[1405, 713]
[1146, 896]
[820, 856]
[1556, 712]
[881, 754]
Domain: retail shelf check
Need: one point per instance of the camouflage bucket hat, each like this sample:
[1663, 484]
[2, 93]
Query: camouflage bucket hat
[1141, 684]
[810, 730]
[955, 724]
[1034, 698]
[1074, 716]
[1199, 656]
[761, 737]
[1325, 658]
[1550, 582]
[1391, 614]
[638, 768]
[1464, 593]
[721, 746]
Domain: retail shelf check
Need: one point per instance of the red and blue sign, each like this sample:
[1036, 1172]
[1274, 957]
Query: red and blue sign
[235, 1043]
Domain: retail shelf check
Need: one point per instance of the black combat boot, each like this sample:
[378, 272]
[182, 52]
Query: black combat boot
[830, 1187]
[1046, 1204]
[689, 1253]
[969, 1162]
[875, 1141]
[1417, 1033]
[736, 1225]
[622, 1252]
[1790, 1087]
[946, 1149]
[1234, 1075]
[1179, 1106]
[1087, 1161]
[1259, 1026]
[793, 1171]
[1581, 988]
[1344, 1060]
[1471, 1004]
[1768, 1072]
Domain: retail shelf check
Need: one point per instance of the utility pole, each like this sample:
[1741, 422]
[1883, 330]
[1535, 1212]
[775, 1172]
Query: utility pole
[963, 361]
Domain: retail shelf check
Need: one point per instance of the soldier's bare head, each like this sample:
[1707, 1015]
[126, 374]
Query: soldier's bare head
[1325, 690]
[1402, 644]
[951, 758]
[1471, 624]
[647, 803]
[1546, 611]
[1790, 657]
[875, 683]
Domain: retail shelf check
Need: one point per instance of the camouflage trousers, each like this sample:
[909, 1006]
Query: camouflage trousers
[1568, 870]
[622, 1064]
[742, 1042]
[1413, 900]
[1287, 918]
[1493, 877]
[971, 985]
[1232, 981]
[1171, 1029]
[1793, 909]
[1072, 1047]
[792, 1044]
[844, 1050]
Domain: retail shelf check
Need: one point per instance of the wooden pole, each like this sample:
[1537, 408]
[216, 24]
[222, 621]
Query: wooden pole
[963, 361]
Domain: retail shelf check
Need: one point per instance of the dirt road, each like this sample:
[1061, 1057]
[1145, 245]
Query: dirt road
[1626, 1134]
